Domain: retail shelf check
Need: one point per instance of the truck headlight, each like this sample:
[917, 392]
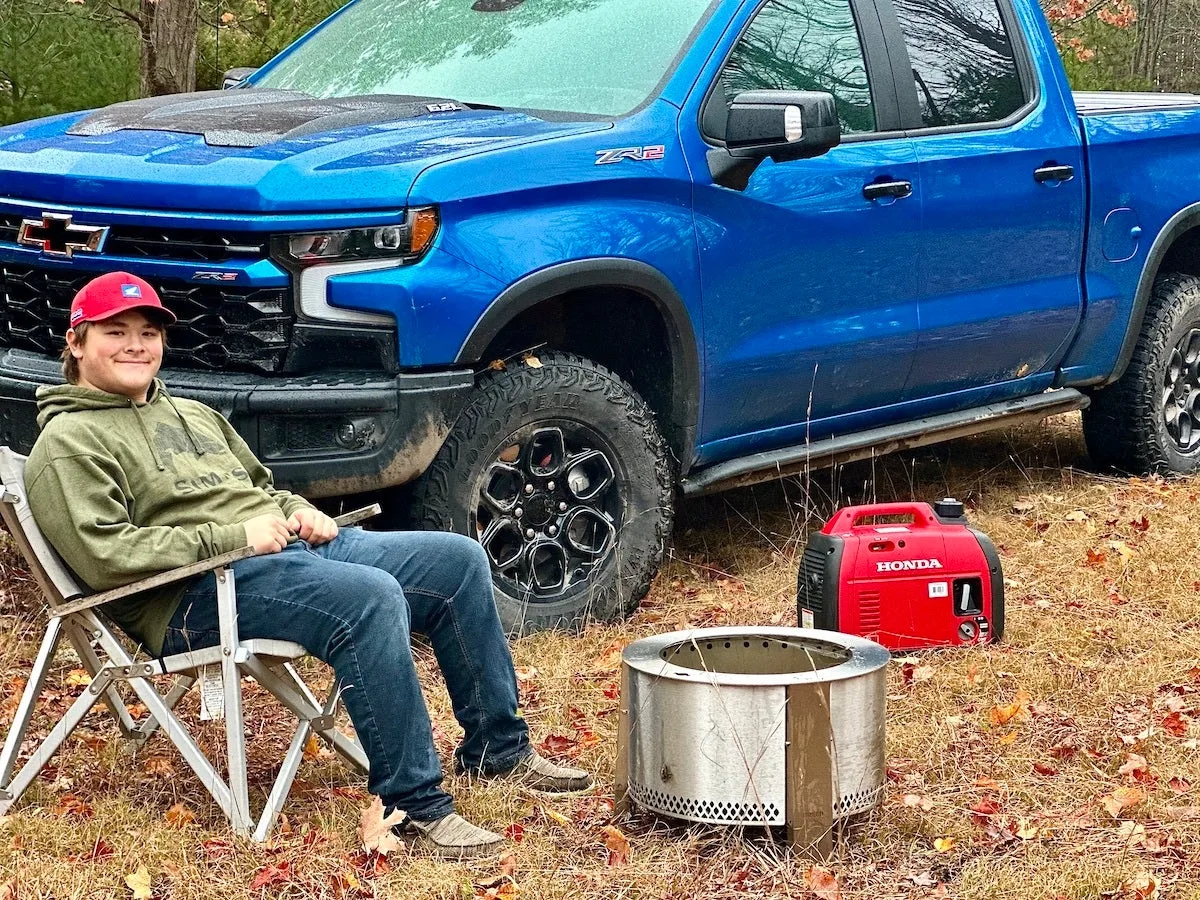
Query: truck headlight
[407, 240]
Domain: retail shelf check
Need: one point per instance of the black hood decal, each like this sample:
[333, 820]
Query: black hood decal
[252, 117]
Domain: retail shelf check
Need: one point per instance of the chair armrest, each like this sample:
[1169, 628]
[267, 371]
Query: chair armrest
[188, 571]
[168, 577]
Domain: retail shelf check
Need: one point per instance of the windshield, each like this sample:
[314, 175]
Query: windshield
[595, 57]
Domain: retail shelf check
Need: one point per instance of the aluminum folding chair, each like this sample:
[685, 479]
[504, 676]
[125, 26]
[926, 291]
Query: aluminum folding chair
[73, 614]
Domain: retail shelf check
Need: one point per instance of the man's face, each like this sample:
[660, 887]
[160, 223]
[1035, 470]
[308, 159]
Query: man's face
[120, 354]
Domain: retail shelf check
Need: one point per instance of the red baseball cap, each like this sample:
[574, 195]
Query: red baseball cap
[114, 293]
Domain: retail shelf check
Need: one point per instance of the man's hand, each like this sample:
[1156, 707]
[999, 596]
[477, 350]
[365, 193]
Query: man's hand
[266, 533]
[312, 525]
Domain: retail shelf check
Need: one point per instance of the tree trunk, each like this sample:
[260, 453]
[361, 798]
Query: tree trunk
[168, 33]
[1151, 29]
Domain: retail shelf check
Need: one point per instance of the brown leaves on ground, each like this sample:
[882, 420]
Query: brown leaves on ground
[139, 883]
[375, 830]
[619, 852]
[823, 883]
[1121, 799]
[179, 816]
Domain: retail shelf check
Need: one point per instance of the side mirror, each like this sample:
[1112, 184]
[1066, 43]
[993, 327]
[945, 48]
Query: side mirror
[234, 77]
[782, 125]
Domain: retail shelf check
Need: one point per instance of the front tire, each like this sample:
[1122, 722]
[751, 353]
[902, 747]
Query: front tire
[1149, 419]
[561, 473]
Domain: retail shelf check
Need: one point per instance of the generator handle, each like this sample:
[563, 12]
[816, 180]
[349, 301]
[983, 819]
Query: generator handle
[845, 520]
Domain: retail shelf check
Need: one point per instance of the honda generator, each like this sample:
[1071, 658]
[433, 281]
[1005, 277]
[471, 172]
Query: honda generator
[908, 575]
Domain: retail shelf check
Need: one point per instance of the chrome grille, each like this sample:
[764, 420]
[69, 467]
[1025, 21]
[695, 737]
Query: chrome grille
[221, 327]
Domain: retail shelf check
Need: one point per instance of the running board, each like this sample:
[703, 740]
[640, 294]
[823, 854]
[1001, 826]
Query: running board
[880, 441]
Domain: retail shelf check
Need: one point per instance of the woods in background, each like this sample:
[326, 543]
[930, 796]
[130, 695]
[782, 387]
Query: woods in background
[62, 55]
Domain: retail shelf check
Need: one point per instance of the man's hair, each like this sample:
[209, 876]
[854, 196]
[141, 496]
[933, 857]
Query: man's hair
[70, 365]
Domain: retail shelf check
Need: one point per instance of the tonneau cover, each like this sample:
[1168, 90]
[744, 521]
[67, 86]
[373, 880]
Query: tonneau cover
[1097, 102]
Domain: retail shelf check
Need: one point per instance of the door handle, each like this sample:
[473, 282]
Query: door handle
[896, 189]
[1053, 172]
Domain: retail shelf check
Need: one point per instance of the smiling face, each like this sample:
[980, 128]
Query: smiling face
[119, 355]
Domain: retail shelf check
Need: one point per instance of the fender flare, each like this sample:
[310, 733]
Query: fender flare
[562, 278]
[1184, 220]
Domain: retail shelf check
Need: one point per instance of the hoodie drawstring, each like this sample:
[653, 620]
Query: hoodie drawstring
[186, 428]
[137, 414]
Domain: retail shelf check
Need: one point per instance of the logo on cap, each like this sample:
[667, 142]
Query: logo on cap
[76, 316]
[131, 290]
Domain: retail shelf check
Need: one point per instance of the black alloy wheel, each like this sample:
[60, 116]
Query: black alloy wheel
[560, 472]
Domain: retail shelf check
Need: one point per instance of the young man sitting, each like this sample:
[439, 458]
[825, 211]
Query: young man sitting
[126, 481]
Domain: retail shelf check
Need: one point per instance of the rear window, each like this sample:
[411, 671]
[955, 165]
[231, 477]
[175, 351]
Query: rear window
[963, 66]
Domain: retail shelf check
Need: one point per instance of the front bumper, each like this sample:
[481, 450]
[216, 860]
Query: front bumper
[322, 435]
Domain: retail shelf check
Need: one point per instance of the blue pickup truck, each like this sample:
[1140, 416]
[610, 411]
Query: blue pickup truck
[550, 262]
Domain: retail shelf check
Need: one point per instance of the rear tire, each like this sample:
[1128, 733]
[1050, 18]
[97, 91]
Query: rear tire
[1148, 421]
[560, 471]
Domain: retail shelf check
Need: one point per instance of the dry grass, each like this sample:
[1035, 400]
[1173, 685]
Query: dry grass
[1097, 654]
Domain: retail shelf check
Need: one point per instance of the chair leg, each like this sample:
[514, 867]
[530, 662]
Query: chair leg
[231, 677]
[81, 641]
[178, 691]
[295, 695]
[283, 781]
[170, 725]
[349, 748]
[25, 707]
[48, 747]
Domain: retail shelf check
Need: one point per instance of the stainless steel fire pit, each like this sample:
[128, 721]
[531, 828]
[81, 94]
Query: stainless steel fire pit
[707, 718]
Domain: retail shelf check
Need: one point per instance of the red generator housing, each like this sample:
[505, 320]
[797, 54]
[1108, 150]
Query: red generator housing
[908, 575]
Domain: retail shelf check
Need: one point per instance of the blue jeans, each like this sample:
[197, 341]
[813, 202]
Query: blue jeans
[353, 602]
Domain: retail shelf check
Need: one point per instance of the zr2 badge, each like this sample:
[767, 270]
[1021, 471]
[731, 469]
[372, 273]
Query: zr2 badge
[644, 154]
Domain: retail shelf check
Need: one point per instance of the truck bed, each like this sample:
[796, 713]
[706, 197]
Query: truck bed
[1090, 103]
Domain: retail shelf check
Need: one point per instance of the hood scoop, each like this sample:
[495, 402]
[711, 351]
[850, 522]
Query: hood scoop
[252, 117]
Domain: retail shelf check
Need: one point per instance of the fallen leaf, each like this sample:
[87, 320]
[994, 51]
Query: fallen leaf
[1176, 723]
[179, 816]
[923, 672]
[1179, 785]
[101, 849]
[1023, 504]
[515, 832]
[503, 888]
[1121, 799]
[943, 844]
[1095, 558]
[923, 879]
[78, 678]
[271, 874]
[70, 805]
[508, 864]
[1135, 768]
[496, 365]
[1026, 830]
[1044, 769]
[159, 765]
[617, 844]
[1076, 515]
[982, 811]
[532, 361]
[139, 883]
[559, 745]
[375, 831]
[1142, 886]
[823, 883]
[557, 817]
[916, 801]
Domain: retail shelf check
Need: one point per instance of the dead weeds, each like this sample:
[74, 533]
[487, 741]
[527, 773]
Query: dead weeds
[1061, 763]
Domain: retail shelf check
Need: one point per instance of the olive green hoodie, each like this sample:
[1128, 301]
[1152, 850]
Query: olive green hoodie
[125, 490]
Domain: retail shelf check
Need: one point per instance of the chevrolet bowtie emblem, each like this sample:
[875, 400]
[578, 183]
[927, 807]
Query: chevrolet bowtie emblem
[57, 235]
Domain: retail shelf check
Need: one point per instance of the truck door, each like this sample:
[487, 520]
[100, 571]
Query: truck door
[1002, 192]
[809, 287]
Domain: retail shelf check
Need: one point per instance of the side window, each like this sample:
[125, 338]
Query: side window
[962, 61]
[804, 45]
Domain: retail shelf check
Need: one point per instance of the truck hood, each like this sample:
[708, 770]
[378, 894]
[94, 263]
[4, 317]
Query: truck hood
[253, 151]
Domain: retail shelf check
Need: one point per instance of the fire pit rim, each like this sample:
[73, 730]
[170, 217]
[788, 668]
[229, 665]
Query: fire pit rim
[644, 656]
